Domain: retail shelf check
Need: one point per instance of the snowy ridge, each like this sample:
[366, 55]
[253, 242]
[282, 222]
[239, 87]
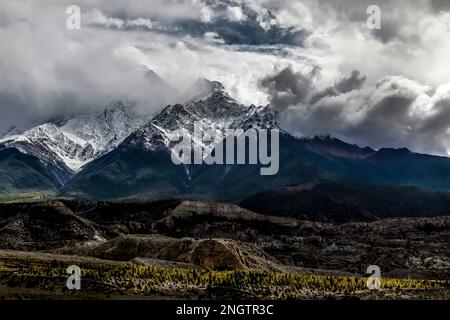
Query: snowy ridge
[80, 139]
[217, 112]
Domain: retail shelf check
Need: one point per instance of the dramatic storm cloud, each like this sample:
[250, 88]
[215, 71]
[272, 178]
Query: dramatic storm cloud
[314, 60]
[393, 112]
[287, 88]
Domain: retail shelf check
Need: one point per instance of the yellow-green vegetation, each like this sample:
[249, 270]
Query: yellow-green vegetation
[21, 197]
[166, 281]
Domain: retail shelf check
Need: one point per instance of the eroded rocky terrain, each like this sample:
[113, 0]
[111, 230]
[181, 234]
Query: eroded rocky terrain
[189, 235]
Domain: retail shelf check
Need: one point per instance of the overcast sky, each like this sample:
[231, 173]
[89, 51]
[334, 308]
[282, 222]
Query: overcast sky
[315, 61]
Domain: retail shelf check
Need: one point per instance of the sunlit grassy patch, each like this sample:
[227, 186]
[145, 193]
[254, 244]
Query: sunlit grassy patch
[145, 280]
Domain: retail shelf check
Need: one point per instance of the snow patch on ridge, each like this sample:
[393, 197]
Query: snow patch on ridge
[81, 139]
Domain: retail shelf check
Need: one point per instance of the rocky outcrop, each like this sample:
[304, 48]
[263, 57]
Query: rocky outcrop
[45, 225]
[217, 254]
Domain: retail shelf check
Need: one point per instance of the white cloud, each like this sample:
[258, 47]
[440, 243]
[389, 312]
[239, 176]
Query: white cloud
[140, 22]
[235, 14]
[213, 37]
[96, 17]
[206, 14]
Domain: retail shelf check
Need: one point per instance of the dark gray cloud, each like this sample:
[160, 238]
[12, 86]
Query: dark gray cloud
[353, 82]
[10, 104]
[439, 5]
[250, 32]
[390, 30]
[438, 121]
[287, 88]
[234, 22]
[395, 112]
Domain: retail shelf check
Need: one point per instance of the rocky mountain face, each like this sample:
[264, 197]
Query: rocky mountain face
[216, 111]
[142, 163]
[69, 145]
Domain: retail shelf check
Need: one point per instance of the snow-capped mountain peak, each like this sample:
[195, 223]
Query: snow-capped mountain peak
[216, 113]
[72, 143]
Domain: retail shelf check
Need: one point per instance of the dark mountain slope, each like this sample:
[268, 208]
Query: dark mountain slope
[129, 172]
[134, 172]
[403, 167]
[348, 200]
[22, 172]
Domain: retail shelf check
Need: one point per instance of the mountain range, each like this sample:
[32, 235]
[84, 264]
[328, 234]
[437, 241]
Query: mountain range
[118, 154]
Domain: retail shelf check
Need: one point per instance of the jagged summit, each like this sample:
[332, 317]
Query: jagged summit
[203, 89]
[216, 111]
